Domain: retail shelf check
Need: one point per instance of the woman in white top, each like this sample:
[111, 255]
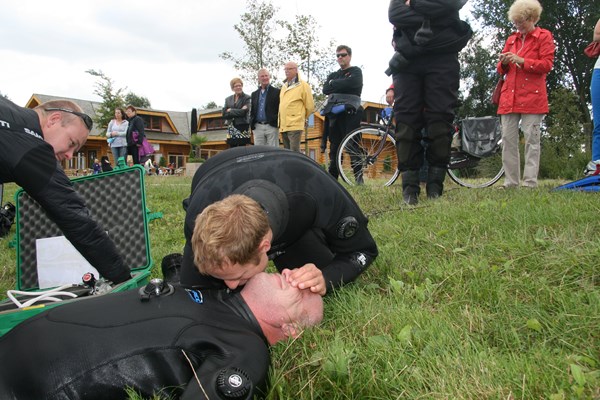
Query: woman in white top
[115, 134]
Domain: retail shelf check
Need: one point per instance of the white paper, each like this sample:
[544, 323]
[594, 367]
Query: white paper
[59, 263]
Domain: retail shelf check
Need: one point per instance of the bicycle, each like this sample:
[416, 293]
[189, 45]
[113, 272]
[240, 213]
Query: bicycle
[367, 155]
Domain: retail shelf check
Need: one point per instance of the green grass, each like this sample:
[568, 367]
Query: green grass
[482, 294]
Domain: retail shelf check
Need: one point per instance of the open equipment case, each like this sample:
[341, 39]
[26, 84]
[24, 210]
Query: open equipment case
[117, 200]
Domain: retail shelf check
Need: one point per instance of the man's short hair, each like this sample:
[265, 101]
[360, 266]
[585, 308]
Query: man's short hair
[230, 229]
[344, 47]
[66, 104]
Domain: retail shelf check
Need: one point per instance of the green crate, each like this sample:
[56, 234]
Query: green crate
[117, 200]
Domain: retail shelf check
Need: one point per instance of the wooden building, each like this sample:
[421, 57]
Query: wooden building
[167, 131]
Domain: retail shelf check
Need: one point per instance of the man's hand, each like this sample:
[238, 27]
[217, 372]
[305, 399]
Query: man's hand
[305, 277]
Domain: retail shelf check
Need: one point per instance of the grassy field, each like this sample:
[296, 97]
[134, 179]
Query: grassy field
[482, 294]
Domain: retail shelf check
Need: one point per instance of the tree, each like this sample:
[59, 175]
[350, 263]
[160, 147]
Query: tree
[209, 105]
[302, 43]
[257, 30]
[478, 76]
[111, 98]
[132, 99]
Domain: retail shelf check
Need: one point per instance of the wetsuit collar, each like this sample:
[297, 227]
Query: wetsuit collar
[238, 305]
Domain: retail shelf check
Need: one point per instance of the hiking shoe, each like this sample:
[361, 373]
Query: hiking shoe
[593, 168]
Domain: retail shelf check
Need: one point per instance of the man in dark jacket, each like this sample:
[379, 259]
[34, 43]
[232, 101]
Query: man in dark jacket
[264, 111]
[187, 344]
[428, 34]
[344, 112]
[32, 143]
[316, 229]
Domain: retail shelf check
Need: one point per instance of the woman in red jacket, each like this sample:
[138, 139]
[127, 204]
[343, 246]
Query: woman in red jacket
[527, 57]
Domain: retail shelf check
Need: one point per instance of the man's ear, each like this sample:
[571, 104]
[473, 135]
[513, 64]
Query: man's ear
[265, 245]
[290, 330]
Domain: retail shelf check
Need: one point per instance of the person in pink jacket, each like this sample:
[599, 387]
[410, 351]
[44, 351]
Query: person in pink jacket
[526, 59]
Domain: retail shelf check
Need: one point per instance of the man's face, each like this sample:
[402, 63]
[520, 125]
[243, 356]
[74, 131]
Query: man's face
[291, 70]
[343, 58]
[299, 305]
[236, 274]
[67, 139]
[264, 78]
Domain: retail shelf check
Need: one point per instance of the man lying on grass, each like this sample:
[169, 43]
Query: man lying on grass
[183, 343]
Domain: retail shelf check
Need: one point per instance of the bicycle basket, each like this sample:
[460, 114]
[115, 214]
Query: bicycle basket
[480, 135]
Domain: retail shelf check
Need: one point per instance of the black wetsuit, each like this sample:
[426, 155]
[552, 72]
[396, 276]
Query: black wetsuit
[325, 226]
[94, 348]
[27, 160]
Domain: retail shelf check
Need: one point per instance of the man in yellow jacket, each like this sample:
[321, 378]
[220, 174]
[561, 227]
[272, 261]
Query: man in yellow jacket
[295, 105]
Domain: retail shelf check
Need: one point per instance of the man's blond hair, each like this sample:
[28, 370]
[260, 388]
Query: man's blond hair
[66, 104]
[229, 230]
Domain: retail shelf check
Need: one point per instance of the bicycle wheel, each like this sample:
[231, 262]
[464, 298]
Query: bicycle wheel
[473, 172]
[367, 156]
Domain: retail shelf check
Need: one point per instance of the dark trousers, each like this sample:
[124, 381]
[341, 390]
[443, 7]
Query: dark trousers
[133, 152]
[426, 94]
[339, 126]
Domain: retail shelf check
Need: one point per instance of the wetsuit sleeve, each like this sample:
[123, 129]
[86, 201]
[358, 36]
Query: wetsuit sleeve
[66, 208]
[241, 371]
[353, 255]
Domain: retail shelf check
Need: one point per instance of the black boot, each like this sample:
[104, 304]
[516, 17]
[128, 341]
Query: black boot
[435, 182]
[171, 267]
[410, 187]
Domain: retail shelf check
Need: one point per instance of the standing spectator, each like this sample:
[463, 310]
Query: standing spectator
[116, 134]
[96, 166]
[389, 95]
[343, 88]
[295, 105]
[136, 124]
[593, 167]
[264, 111]
[527, 57]
[237, 111]
[427, 38]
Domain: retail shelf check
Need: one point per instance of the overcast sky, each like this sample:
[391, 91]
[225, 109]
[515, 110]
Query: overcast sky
[166, 51]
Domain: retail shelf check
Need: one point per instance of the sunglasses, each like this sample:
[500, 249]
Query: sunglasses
[86, 118]
[340, 55]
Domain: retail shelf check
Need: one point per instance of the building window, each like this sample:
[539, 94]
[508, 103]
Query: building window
[215, 124]
[152, 122]
[311, 120]
[176, 159]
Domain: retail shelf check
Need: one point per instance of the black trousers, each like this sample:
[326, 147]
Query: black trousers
[339, 126]
[426, 94]
[133, 152]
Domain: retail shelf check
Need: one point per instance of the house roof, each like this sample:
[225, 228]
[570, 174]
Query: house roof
[178, 120]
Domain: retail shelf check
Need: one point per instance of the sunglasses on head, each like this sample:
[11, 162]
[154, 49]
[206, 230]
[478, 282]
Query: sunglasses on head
[340, 55]
[86, 118]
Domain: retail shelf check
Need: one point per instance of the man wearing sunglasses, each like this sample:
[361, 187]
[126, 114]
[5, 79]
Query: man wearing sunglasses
[343, 110]
[32, 145]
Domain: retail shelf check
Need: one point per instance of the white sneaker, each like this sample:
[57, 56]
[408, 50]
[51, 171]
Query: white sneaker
[593, 168]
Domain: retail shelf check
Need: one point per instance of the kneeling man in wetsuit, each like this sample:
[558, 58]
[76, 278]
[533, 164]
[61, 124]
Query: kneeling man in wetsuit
[317, 233]
[179, 343]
